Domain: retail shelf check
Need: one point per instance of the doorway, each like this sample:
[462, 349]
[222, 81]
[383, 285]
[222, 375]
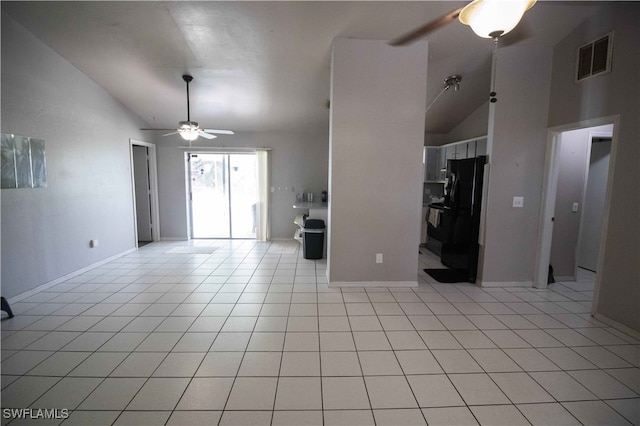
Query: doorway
[575, 203]
[583, 166]
[145, 192]
[223, 190]
[595, 193]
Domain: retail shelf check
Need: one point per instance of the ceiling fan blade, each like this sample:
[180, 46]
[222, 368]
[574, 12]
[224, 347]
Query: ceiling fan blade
[418, 33]
[172, 133]
[166, 130]
[206, 135]
[220, 132]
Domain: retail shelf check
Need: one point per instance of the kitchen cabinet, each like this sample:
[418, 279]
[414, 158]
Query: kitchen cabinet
[435, 158]
[465, 149]
[481, 147]
[431, 164]
[443, 162]
[451, 152]
[462, 151]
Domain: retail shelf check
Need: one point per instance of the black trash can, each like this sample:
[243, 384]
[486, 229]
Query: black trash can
[313, 239]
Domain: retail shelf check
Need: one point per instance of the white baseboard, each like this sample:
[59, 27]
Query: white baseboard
[615, 324]
[335, 284]
[565, 279]
[283, 239]
[64, 278]
[173, 239]
[506, 283]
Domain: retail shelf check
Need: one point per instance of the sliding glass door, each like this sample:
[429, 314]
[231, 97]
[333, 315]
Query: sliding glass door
[224, 195]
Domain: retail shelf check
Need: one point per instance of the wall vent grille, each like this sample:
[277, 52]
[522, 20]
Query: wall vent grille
[594, 58]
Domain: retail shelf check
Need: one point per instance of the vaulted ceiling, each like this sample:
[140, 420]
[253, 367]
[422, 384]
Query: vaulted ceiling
[261, 66]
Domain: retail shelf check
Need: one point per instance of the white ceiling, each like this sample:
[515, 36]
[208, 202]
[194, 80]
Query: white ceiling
[264, 65]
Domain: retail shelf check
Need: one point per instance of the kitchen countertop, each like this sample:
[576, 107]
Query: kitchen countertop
[308, 205]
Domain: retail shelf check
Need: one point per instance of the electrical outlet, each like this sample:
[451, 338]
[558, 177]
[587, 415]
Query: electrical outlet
[518, 202]
[378, 257]
[574, 208]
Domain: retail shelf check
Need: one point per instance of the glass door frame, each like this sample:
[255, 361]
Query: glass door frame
[229, 205]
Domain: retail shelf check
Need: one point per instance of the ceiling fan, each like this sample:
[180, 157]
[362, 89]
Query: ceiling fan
[189, 130]
[487, 18]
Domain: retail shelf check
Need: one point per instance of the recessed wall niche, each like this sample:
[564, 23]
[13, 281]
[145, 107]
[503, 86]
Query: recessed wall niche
[23, 162]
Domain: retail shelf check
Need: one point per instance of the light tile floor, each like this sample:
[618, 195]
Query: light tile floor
[250, 334]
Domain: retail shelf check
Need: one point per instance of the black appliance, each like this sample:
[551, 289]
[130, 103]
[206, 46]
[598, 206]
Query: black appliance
[461, 217]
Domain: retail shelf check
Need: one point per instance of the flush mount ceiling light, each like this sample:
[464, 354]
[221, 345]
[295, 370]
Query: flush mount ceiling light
[494, 18]
[452, 81]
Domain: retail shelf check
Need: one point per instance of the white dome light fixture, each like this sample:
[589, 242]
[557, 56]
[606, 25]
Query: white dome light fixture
[189, 130]
[494, 18]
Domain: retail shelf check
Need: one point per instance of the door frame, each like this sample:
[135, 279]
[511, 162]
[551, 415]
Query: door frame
[549, 190]
[153, 184]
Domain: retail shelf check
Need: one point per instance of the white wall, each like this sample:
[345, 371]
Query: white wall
[46, 231]
[435, 139]
[298, 160]
[377, 134]
[616, 93]
[517, 137]
[474, 125]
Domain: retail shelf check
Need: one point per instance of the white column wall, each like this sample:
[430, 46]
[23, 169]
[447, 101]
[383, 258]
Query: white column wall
[375, 161]
[516, 146]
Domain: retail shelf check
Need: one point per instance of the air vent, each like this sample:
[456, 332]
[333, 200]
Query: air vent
[594, 58]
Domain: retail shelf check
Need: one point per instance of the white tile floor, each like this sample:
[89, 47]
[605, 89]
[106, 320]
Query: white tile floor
[250, 334]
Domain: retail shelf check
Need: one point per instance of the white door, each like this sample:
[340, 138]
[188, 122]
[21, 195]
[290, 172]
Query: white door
[143, 192]
[591, 229]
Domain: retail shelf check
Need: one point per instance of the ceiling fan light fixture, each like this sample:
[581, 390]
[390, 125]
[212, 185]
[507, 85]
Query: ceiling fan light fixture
[188, 134]
[494, 18]
[188, 130]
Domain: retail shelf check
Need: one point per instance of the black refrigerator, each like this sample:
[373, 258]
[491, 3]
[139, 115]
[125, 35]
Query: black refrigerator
[463, 198]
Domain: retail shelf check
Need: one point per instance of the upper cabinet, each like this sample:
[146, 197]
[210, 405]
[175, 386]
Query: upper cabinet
[435, 158]
[481, 146]
[431, 164]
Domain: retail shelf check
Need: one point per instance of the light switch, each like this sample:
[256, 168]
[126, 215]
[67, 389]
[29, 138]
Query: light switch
[518, 202]
[574, 208]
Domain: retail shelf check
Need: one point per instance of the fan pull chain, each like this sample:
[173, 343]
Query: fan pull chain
[494, 63]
